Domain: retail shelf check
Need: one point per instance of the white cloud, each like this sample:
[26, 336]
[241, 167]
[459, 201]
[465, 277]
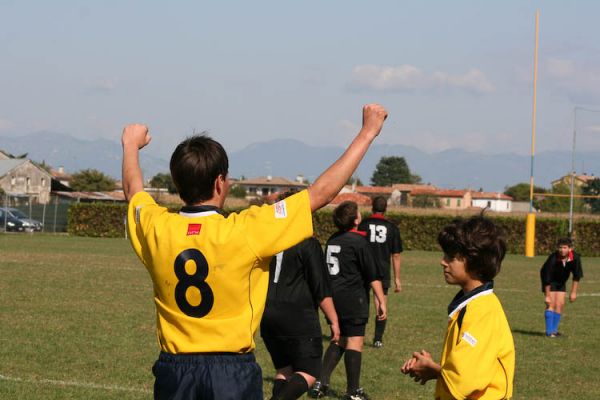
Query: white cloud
[105, 85]
[558, 68]
[410, 78]
[579, 82]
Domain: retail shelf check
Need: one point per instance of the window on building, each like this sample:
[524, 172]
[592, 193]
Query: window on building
[448, 202]
[489, 204]
[458, 202]
[28, 181]
[43, 182]
[13, 180]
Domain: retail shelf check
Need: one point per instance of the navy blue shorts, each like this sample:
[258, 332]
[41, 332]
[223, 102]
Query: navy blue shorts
[219, 376]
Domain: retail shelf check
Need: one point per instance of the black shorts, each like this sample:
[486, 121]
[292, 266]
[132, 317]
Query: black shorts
[353, 327]
[301, 353]
[558, 287]
[207, 376]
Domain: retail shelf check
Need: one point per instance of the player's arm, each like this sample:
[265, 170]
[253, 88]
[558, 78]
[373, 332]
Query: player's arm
[329, 310]
[573, 295]
[135, 137]
[329, 184]
[396, 263]
[382, 306]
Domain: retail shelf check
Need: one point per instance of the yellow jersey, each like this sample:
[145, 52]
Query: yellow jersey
[210, 272]
[478, 359]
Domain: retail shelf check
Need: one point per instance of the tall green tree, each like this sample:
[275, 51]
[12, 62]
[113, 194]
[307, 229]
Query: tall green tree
[391, 170]
[92, 180]
[562, 204]
[592, 188]
[163, 181]
[520, 192]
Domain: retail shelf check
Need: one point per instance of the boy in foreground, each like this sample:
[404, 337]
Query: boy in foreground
[298, 285]
[210, 272]
[554, 275]
[478, 358]
[353, 270]
[386, 244]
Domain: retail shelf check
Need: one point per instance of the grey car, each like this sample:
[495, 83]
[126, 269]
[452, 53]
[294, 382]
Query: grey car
[28, 223]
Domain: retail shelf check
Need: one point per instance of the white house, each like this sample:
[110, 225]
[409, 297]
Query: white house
[498, 202]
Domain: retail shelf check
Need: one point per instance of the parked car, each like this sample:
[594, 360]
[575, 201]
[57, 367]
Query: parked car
[28, 223]
[9, 223]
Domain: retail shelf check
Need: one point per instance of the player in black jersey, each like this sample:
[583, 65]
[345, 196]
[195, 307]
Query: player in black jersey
[290, 328]
[386, 244]
[554, 275]
[352, 269]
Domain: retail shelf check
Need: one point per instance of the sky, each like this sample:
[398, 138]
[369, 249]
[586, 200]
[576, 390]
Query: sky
[453, 74]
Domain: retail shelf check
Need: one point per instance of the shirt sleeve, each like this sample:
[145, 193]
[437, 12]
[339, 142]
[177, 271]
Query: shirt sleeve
[140, 215]
[369, 267]
[315, 269]
[578, 270]
[396, 240]
[546, 271]
[471, 365]
[273, 228]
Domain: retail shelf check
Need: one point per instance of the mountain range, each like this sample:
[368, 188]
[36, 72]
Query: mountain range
[455, 168]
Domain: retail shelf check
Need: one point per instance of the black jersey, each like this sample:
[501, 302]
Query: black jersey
[352, 268]
[298, 282]
[384, 240]
[554, 271]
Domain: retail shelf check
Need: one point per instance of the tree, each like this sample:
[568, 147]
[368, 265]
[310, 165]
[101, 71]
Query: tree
[562, 204]
[92, 180]
[391, 170]
[520, 192]
[592, 188]
[354, 179]
[237, 191]
[163, 181]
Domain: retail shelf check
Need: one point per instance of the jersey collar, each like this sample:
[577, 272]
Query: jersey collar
[462, 299]
[361, 233]
[377, 215]
[200, 211]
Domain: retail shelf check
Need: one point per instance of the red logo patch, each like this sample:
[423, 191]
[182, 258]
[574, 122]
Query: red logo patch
[194, 229]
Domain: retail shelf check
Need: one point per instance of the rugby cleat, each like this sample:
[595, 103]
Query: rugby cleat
[359, 394]
[377, 344]
[318, 390]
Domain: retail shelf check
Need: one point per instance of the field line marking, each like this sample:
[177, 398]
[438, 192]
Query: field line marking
[75, 383]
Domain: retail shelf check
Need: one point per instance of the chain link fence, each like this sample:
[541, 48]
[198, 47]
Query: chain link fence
[33, 216]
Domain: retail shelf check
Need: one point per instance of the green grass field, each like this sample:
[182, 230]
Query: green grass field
[77, 322]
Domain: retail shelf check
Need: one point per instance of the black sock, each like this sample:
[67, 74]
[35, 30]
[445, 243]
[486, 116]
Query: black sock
[379, 329]
[278, 384]
[352, 361]
[295, 387]
[332, 357]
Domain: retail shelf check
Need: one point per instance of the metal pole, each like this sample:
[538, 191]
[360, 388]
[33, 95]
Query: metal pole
[44, 216]
[55, 211]
[572, 172]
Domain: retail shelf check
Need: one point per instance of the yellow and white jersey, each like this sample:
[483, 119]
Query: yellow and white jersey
[210, 272]
[478, 359]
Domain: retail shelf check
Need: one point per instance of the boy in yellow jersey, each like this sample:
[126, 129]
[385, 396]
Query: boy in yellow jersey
[478, 358]
[210, 272]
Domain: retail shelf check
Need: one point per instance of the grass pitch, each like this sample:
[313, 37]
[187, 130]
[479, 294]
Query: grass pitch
[77, 322]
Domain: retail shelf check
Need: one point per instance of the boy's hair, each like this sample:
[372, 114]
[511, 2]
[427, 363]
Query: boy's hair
[195, 165]
[478, 241]
[379, 204]
[564, 241]
[344, 215]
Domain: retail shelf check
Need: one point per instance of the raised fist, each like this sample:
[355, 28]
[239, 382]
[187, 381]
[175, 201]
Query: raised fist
[373, 117]
[136, 134]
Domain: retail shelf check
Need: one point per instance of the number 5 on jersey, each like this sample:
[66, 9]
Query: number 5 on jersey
[333, 263]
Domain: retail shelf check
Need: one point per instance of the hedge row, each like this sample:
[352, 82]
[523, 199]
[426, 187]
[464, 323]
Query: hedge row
[419, 232]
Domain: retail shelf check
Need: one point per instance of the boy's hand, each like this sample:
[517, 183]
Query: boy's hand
[421, 367]
[137, 135]
[572, 297]
[373, 117]
[547, 301]
[382, 311]
[397, 285]
[335, 333]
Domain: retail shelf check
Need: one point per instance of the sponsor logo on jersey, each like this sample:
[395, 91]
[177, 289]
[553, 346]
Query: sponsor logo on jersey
[194, 229]
[280, 209]
[467, 337]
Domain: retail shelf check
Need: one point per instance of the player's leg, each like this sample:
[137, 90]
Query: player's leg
[332, 357]
[379, 325]
[277, 348]
[305, 354]
[559, 302]
[353, 361]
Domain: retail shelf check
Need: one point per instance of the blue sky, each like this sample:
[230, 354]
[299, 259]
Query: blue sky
[452, 74]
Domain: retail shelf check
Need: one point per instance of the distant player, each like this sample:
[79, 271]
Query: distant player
[554, 275]
[353, 270]
[298, 285]
[478, 357]
[210, 272]
[386, 244]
